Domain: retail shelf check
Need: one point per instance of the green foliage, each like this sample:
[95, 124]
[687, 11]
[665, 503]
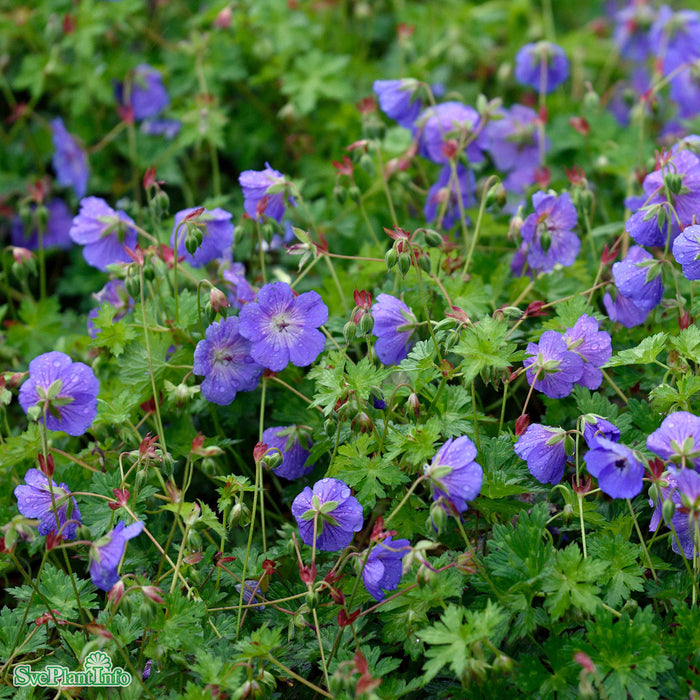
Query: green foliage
[645, 353]
[113, 335]
[627, 653]
[368, 475]
[572, 582]
[622, 573]
[457, 640]
[534, 590]
[484, 347]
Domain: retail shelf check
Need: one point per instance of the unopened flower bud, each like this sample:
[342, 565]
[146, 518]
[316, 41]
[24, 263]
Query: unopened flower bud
[349, 331]
[391, 258]
[366, 323]
[329, 427]
[223, 19]
[116, 594]
[191, 244]
[424, 262]
[591, 102]
[404, 263]
[668, 510]
[503, 664]
[312, 599]
[433, 238]
[340, 194]
[238, 234]
[496, 194]
[367, 164]
[438, 517]
[147, 612]
[132, 284]
[273, 458]
[194, 540]
[209, 312]
[362, 422]
[674, 182]
[161, 202]
[413, 404]
[218, 300]
[354, 193]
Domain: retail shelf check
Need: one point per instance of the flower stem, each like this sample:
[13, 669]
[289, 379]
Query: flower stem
[297, 677]
[641, 540]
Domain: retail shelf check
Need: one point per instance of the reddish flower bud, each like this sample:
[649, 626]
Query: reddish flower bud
[167, 255]
[447, 369]
[397, 234]
[149, 177]
[307, 574]
[219, 559]
[450, 148]
[121, 496]
[580, 124]
[337, 595]
[332, 576]
[37, 191]
[576, 175]
[147, 446]
[261, 206]
[362, 422]
[360, 663]
[344, 619]
[126, 114]
[657, 468]
[223, 19]
[136, 254]
[543, 177]
[405, 31]
[22, 255]
[581, 487]
[542, 114]
[46, 617]
[344, 167]
[367, 105]
[521, 424]
[413, 404]
[583, 660]
[173, 492]
[98, 630]
[535, 309]
[259, 451]
[195, 214]
[460, 315]
[684, 320]
[46, 466]
[153, 593]
[116, 593]
[608, 254]
[269, 566]
[378, 531]
[363, 299]
[53, 540]
[193, 558]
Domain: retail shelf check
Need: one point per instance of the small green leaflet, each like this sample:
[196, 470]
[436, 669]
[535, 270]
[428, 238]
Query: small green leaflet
[452, 640]
[367, 475]
[111, 334]
[644, 354]
[483, 346]
[572, 583]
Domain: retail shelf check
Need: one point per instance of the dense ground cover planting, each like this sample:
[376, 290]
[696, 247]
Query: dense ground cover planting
[349, 350]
